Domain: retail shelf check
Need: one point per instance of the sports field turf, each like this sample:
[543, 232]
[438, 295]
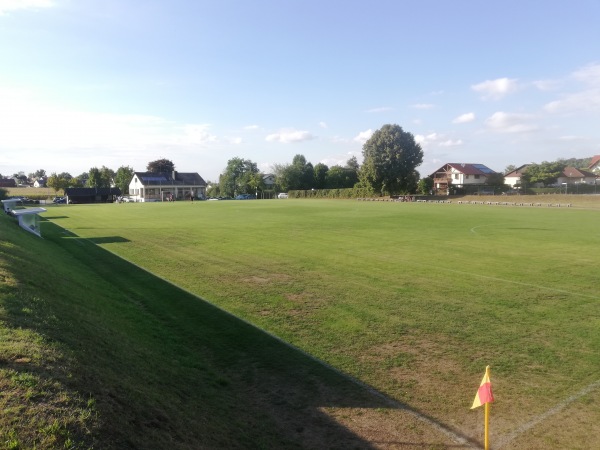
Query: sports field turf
[412, 299]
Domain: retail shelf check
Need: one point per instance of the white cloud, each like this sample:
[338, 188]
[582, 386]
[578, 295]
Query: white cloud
[547, 85]
[251, 127]
[423, 106]
[334, 161]
[465, 118]
[322, 124]
[571, 138]
[589, 75]
[50, 135]
[13, 5]
[290, 136]
[502, 122]
[364, 136]
[436, 140]
[495, 89]
[379, 109]
[234, 140]
[195, 134]
[451, 143]
[424, 140]
[587, 99]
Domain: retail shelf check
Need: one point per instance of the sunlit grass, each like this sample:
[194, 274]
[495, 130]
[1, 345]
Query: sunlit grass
[414, 299]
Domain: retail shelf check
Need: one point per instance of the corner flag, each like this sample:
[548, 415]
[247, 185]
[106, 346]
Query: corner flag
[484, 393]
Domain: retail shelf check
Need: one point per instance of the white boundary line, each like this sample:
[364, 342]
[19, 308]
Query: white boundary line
[555, 409]
[521, 283]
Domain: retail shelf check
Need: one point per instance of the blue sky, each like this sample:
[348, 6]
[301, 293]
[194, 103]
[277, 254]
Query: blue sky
[87, 83]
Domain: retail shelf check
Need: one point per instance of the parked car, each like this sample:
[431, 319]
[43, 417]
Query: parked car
[246, 197]
[58, 200]
[282, 195]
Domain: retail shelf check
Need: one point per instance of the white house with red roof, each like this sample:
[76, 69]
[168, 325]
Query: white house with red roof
[571, 175]
[513, 178]
[460, 175]
[595, 164]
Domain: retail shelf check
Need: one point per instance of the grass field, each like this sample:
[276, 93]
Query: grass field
[413, 300]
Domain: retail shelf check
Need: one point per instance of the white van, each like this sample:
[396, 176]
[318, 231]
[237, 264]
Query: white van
[282, 195]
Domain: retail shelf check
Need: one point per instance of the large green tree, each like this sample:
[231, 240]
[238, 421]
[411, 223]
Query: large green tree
[307, 173]
[58, 181]
[495, 179]
[161, 165]
[299, 175]
[238, 177]
[288, 177]
[123, 178]
[40, 173]
[545, 173]
[320, 171]
[99, 178]
[340, 177]
[391, 156]
[425, 185]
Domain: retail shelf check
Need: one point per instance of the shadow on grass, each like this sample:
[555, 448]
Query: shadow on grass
[108, 240]
[167, 369]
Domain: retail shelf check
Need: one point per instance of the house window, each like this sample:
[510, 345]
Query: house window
[456, 176]
[477, 177]
[150, 191]
[467, 176]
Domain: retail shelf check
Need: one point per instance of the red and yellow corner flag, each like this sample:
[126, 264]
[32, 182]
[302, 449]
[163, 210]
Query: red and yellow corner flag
[484, 393]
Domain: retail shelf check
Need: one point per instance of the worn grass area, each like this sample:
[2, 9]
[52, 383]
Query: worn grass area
[413, 299]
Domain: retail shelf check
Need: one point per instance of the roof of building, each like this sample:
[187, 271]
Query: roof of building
[518, 171]
[467, 168]
[170, 178]
[595, 161]
[572, 172]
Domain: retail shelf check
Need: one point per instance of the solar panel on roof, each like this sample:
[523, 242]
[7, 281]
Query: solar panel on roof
[154, 178]
[483, 168]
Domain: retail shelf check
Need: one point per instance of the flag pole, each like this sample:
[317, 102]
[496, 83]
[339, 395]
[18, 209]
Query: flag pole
[486, 428]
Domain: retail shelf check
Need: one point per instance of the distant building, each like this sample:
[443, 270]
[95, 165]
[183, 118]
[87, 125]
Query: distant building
[460, 175]
[162, 186]
[571, 175]
[513, 178]
[8, 182]
[595, 164]
[269, 180]
[40, 183]
[92, 195]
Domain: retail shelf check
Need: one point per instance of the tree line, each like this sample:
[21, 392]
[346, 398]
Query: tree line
[241, 176]
[102, 177]
[390, 158]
